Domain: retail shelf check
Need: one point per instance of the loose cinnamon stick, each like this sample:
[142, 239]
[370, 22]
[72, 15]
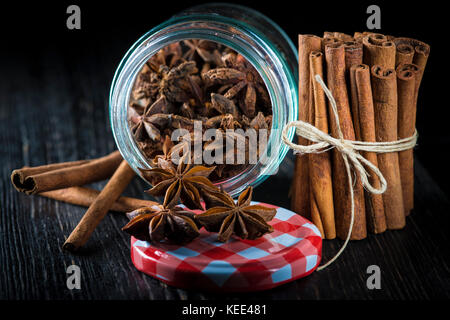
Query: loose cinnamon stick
[404, 54]
[376, 219]
[384, 89]
[82, 196]
[98, 209]
[335, 59]
[378, 50]
[321, 186]
[406, 87]
[63, 175]
[19, 176]
[300, 184]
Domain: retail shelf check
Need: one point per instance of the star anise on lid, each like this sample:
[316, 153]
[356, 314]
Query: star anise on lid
[183, 183]
[241, 219]
[160, 223]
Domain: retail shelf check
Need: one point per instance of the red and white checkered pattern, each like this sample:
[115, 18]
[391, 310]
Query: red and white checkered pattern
[291, 252]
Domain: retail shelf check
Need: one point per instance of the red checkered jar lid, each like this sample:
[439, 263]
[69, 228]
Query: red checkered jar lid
[292, 251]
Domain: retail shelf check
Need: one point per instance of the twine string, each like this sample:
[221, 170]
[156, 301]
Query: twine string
[348, 149]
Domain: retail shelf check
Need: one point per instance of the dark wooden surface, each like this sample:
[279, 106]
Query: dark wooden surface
[54, 108]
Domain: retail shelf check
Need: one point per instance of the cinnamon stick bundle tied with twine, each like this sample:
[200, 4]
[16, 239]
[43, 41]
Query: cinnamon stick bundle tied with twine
[372, 108]
[348, 150]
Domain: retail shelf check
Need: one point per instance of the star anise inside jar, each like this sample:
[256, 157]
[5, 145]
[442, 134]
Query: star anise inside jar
[197, 80]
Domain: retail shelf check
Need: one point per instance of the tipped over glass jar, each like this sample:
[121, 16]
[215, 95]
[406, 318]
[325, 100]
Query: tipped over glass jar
[202, 83]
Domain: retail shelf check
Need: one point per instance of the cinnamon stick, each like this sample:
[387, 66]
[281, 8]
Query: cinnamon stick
[353, 56]
[404, 54]
[376, 220]
[339, 35]
[321, 186]
[378, 50]
[406, 86]
[98, 209]
[384, 89]
[63, 175]
[358, 36]
[421, 53]
[300, 202]
[335, 60]
[330, 40]
[82, 196]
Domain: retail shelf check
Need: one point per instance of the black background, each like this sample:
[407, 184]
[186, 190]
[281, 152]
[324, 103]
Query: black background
[37, 52]
[108, 29]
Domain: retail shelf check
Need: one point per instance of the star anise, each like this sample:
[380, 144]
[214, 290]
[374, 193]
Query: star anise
[160, 223]
[170, 56]
[242, 75]
[144, 129]
[164, 160]
[195, 80]
[146, 85]
[184, 183]
[205, 50]
[161, 105]
[241, 219]
[223, 105]
[259, 122]
[174, 84]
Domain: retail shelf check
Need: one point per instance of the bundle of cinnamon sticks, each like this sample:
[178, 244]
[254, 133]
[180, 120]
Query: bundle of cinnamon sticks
[64, 181]
[375, 81]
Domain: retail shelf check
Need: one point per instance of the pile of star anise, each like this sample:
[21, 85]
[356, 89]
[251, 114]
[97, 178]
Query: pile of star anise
[197, 80]
[189, 185]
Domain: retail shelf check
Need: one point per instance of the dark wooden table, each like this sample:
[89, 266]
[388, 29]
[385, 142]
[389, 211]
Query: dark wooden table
[54, 108]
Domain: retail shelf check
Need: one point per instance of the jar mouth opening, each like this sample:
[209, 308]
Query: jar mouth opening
[279, 83]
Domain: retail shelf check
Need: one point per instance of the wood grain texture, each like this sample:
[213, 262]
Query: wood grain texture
[35, 129]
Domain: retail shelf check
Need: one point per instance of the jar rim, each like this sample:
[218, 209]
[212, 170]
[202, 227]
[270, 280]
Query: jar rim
[206, 27]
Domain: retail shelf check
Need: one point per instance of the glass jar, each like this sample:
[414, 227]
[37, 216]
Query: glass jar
[248, 32]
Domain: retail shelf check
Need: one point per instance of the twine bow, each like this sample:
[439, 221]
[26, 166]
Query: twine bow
[349, 151]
